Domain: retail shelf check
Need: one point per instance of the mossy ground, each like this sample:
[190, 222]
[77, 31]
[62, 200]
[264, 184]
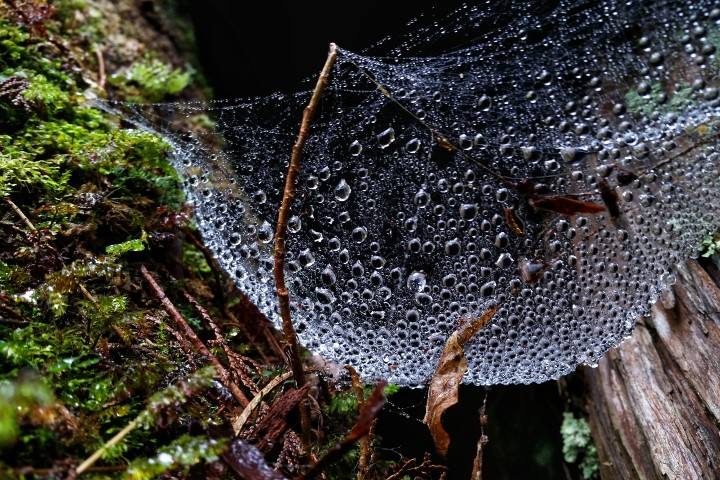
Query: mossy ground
[85, 348]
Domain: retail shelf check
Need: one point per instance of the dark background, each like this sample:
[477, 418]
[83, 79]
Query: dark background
[256, 48]
[260, 47]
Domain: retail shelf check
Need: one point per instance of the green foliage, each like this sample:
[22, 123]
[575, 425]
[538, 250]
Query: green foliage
[46, 96]
[578, 445]
[17, 172]
[151, 80]
[135, 245]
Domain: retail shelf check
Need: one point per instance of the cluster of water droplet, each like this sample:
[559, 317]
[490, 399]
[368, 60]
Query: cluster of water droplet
[556, 164]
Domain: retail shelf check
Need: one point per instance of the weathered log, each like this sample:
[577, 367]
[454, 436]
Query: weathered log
[654, 402]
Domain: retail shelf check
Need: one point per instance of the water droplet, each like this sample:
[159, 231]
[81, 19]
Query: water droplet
[342, 191]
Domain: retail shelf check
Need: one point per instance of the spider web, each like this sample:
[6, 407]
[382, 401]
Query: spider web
[553, 160]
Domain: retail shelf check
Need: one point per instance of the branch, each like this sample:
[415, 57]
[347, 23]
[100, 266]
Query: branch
[281, 230]
[234, 359]
[90, 461]
[366, 441]
[20, 213]
[188, 333]
[239, 422]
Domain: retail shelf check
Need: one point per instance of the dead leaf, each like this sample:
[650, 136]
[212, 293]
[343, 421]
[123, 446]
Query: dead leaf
[565, 205]
[445, 382]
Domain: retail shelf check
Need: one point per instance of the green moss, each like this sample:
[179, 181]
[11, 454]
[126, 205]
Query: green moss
[86, 184]
[135, 245]
[655, 100]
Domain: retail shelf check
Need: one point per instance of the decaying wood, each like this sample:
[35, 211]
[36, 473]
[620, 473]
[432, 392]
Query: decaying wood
[281, 231]
[273, 424]
[445, 382]
[654, 402]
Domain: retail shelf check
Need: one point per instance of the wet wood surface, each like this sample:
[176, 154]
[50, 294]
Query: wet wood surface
[654, 402]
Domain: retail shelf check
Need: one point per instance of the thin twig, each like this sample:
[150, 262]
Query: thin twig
[109, 444]
[281, 230]
[410, 469]
[102, 77]
[234, 359]
[190, 334]
[367, 440]
[20, 214]
[239, 421]
[482, 441]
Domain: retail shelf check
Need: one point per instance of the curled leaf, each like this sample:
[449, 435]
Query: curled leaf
[445, 382]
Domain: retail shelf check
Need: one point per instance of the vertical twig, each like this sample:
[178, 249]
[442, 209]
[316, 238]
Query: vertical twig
[281, 230]
[102, 76]
[482, 441]
[365, 442]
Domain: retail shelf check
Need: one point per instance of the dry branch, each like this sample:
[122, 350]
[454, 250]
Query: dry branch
[281, 230]
[234, 359]
[412, 470]
[239, 422]
[366, 441]
[20, 214]
[186, 331]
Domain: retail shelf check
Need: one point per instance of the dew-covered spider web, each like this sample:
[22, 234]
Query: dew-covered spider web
[553, 160]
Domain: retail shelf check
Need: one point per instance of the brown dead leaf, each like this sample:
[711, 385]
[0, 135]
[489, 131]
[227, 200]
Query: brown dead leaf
[445, 382]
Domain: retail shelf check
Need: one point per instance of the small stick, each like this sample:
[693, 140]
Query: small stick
[368, 413]
[482, 441]
[188, 332]
[239, 421]
[366, 441]
[281, 230]
[102, 77]
[20, 214]
[109, 444]
[234, 359]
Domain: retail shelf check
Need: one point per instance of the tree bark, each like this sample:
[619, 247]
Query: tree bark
[654, 402]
